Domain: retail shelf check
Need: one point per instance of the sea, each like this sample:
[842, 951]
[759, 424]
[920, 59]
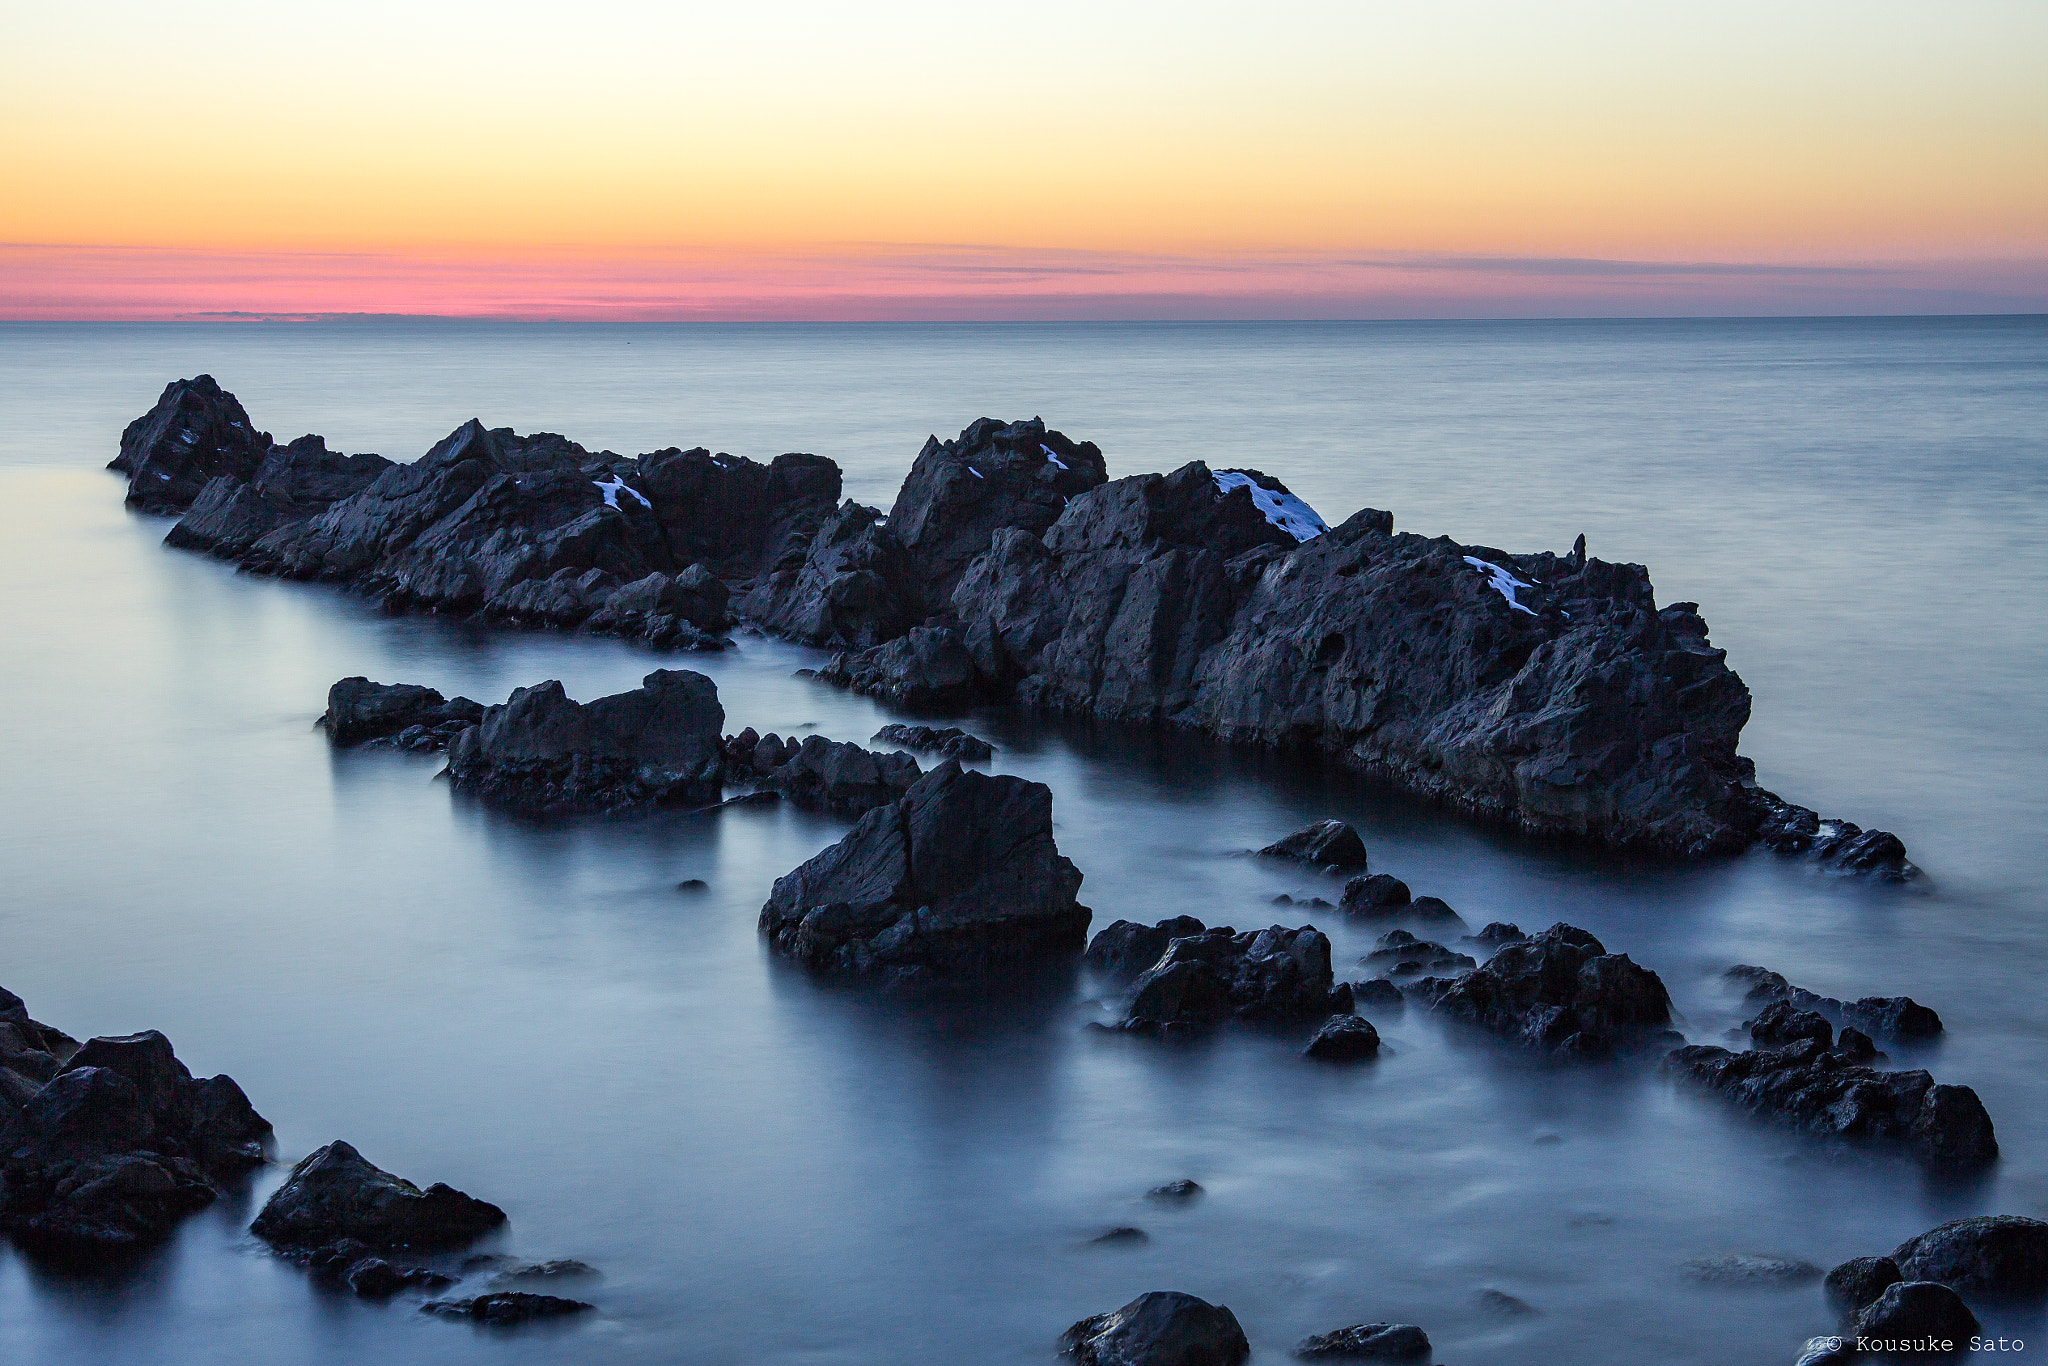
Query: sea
[772, 1170]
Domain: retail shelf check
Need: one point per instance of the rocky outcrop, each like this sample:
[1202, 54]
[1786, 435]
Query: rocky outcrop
[291, 483]
[958, 876]
[1124, 948]
[1366, 1342]
[1991, 1257]
[852, 587]
[949, 742]
[1397, 953]
[398, 715]
[1836, 846]
[927, 668]
[334, 1195]
[1159, 1328]
[1808, 1087]
[659, 744]
[1202, 979]
[1560, 992]
[828, 775]
[196, 432]
[1326, 844]
[1897, 1018]
[105, 1146]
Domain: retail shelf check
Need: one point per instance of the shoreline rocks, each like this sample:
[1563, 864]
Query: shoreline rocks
[1559, 992]
[829, 775]
[1326, 844]
[1366, 1342]
[362, 714]
[959, 876]
[948, 743]
[1216, 974]
[334, 1196]
[1159, 1328]
[1896, 1018]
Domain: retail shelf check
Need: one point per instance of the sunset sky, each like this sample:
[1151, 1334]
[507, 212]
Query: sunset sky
[911, 160]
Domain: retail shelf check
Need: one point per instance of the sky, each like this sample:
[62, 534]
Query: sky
[677, 160]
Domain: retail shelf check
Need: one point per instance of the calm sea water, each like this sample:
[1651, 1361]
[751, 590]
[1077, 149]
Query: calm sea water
[770, 1170]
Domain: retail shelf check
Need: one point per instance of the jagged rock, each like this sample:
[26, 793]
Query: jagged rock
[1378, 896]
[1991, 1256]
[1561, 992]
[196, 432]
[1330, 844]
[360, 712]
[959, 493]
[1125, 948]
[1366, 1342]
[1376, 994]
[1858, 1282]
[1398, 953]
[684, 609]
[836, 776]
[1497, 933]
[735, 515]
[1837, 846]
[1159, 1328]
[1344, 1038]
[927, 668]
[1501, 1305]
[334, 1193]
[1276, 973]
[1918, 1319]
[1887, 1017]
[292, 483]
[1781, 1024]
[960, 874]
[853, 587]
[949, 743]
[105, 1146]
[373, 1278]
[1124, 1236]
[506, 1307]
[658, 744]
[1748, 1268]
[1855, 1046]
[1811, 1089]
[1174, 1192]
[1760, 984]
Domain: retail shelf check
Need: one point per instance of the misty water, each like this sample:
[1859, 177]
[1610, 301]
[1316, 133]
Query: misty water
[772, 1169]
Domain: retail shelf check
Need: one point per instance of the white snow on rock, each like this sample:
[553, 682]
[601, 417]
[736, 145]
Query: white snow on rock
[1501, 582]
[615, 486]
[1283, 510]
[1052, 457]
[976, 473]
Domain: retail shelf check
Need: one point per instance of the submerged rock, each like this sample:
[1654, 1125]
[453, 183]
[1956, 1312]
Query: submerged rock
[1123, 1236]
[334, 1194]
[506, 1307]
[1561, 992]
[1836, 846]
[948, 743]
[1328, 844]
[1201, 979]
[1751, 1269]
[1400, 954]
[1159, 1328]
[1366, 1342]
[1897, 1018]
[1814, 1090]
[959, 875]
[1377, 895]
[656, 745]
[405, 715]
[1174, 1192]
[1858, 1282]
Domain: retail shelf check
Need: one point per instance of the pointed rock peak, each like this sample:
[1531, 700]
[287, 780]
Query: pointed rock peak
[470, 441]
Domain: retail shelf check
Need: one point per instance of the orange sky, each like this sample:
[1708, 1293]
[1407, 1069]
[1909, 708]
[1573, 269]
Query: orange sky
[832, 160]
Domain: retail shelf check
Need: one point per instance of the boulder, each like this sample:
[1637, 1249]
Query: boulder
[959, 875]
[836, 776]
[853, 587]
[1366, 1342]
[1780, 1024]
[684, 609]
[1397, 953]
[1837, 846]
[360, 712]
[948, 743]
[1893, 1017]
[1818, 1091]
[1376, 994]
[1174, 1192]
[196, 432]
[1560, 992]
[927, 668]
[656, 745]
[1201, 979]
[1344, 1038]
[1919, 1319]
[1378, 895]
[1159, 1328]
[335, 1193]
[1328, 844]
[504, 1307]
[1990, 1256]
[1125, 948]
[1857, 1283]
[1496, 934]
[373, 1278]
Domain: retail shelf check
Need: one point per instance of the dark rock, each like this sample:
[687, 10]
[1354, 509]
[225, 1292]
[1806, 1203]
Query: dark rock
[1366, 1342]
[1781, 1024]
[682, 610]
[1501, 1305]
[1858, 1282]
[334, 1193]
[506, 1307]
[1400, 954]
[1893, 1017]
[836, 776]
[1561, 992]
[961, 874]
[949, 743]
[1759, 984]
[527, 1273]
[693, 884]
[658, 744]
[736, 515]
[1275, 974]
[927, 668]
[1159, 1328]
[1125, 948]
[1377, 895]
[373, 1278]
[1378, 994]
[1811, 1089]
[1331, 844]
[1992, 1256]
[1344, 1038]
[1124, 1236]
[1174, 1192]
[853, 586]
[1837, 846]
[1855, 1046]
[1832, 1350]
[291, 484]
[1750, 1269]
[1497, 933]
[1917, 1318]
[359, 711]
[195, 433]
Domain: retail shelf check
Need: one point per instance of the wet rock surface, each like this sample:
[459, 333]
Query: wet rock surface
[1992, 1256]
[1125, 948]
[335, 1197]
[1559, 992]
[1159, 1328]
[541, 751]
[1751, 1269]
[827, 775]
[395, 715]
[960, 875]
[1344, 1038]
[1857, 1283]
[1201, 979]
[1835, 846]
[1326, 844]
[506, 1307]
[949, 742]
[106, 1145]
[1918, 1320]
[1898, 1019]
[1366, 1342]
[1397, 953]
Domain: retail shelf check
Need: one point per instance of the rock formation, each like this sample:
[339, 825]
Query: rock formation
[398, 715]
[1896, 1018]
[1326, 844]
[335, 1195]
[1215, 974]
[1560, 992]
[1366, 1342]
[835, 776]
[949, 742]
[958, 876]
[1159, 1328]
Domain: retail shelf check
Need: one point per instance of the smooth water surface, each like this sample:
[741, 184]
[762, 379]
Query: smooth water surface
[773, 1170]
